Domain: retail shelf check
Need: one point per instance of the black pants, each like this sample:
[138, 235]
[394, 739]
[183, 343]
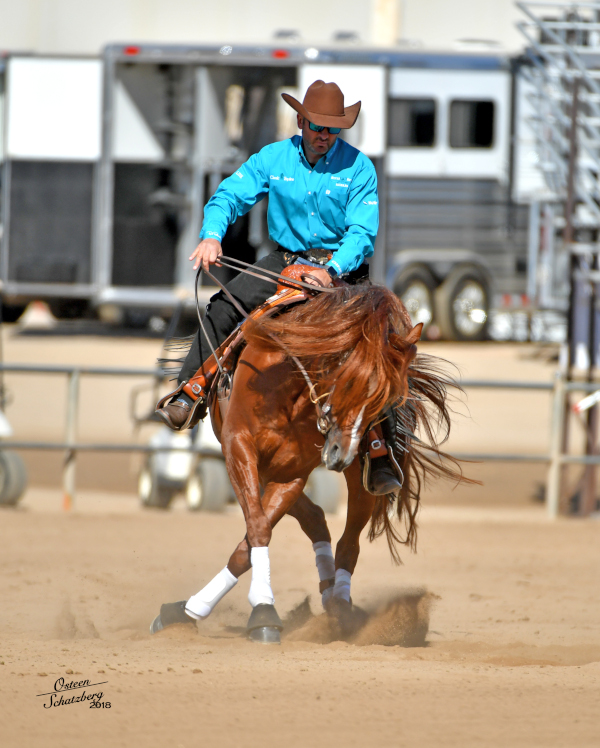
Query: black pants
[222, 317]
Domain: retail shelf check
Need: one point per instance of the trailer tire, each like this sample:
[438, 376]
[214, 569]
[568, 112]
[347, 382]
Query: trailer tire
[463, 304]
[208, 488]
[415, 287]
[153, 492]
[325, 489]
[13, 478]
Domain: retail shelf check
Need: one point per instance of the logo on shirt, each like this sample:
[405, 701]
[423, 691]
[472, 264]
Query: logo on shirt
[239, 174]
[338, 178]
[341, 184]
[274, 177]
[370, 202]
[288, 179]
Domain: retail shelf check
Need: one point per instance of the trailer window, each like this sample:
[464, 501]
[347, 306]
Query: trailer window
[411, 123]
[471, 124]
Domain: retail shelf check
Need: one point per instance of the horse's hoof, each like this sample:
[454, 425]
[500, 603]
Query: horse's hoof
[264, 625]
[265, 635]
[337, 607]
[156, 625]
[347, 618]
[170, 613]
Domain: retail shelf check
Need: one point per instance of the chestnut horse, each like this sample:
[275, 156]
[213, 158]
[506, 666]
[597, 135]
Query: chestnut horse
[346, 357]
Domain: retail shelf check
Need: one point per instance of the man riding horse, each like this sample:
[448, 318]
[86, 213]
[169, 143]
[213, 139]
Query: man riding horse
[323, 211]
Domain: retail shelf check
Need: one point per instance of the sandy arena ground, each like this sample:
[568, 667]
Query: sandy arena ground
[488, 636]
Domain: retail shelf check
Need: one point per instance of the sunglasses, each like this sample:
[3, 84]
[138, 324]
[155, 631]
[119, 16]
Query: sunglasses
[320, 128]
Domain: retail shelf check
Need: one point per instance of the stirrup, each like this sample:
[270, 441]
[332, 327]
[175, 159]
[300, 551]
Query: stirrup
[197, 409]
[366, 474]
[378, 447]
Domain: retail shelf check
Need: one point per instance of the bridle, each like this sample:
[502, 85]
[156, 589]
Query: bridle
[324, 420]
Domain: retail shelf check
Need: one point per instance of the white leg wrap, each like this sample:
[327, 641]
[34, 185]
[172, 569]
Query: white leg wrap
[200, 605]
[260, 587]
[342, 584]
[324, 560]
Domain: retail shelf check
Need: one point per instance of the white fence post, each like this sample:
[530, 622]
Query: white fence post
[556, 436]
[71, 439]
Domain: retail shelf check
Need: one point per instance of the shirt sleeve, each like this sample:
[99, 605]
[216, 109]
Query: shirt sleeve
[234, 197]
[362, 222]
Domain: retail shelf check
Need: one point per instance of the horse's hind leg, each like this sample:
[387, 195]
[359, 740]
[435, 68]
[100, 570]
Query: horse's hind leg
[312, 520]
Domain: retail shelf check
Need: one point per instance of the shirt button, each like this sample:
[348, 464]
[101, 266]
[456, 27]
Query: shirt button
[312, 214]
[309, 193]
[314, 234]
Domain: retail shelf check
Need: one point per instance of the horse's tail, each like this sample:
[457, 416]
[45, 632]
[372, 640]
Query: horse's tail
[427, 411]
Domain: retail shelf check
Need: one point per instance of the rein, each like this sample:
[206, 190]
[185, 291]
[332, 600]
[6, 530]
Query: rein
[323, 411]
[264, 274]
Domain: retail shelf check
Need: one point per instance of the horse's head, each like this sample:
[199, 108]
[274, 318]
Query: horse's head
[342, 440]
[344, 430]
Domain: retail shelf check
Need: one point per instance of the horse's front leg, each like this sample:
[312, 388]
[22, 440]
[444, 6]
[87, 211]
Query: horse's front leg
[360, 508]
[261, 516]
[277, 500]
[312, 521]
[242, 465]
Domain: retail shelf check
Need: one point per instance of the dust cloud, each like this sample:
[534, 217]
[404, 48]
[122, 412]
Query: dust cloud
[402, 620]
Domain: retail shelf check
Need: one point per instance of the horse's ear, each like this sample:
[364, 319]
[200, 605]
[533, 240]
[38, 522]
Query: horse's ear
[414, 335]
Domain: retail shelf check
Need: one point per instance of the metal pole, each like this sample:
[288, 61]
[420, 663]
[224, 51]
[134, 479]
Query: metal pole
[588, 493]
[569, 232]
[568, 237]
[533, 247]
[553, 488]
[71, 437]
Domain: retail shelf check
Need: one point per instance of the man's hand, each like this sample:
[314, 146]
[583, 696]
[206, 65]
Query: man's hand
[207, 253]
[318, 277]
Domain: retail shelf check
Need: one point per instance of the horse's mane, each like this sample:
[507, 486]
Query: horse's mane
[355, 339]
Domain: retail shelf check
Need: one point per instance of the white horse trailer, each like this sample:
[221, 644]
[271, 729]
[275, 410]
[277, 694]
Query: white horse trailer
[51, 150]
[108, 164]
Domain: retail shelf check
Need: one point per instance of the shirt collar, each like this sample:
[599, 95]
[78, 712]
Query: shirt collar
[327, 155]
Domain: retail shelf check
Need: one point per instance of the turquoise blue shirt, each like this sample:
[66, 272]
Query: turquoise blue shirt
[332, 205]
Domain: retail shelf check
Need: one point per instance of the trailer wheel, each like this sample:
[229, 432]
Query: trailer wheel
[415, 286]
[463, 304]
[13, 478]
[152, 491]
[208, 488]
[325, 489]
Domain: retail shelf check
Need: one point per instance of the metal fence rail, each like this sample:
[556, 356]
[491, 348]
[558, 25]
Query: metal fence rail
[556, 459]
[70, 445]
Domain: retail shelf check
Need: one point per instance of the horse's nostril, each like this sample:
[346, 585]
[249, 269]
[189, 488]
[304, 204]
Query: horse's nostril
[334, 459]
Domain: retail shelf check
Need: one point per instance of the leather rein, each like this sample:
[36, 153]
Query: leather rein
[323, 411]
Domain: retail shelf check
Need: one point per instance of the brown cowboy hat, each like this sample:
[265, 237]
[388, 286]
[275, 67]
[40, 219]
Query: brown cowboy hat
[324, 105]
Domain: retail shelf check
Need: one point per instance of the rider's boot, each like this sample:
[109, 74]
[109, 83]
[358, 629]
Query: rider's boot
[186, 406]
[386, 476]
